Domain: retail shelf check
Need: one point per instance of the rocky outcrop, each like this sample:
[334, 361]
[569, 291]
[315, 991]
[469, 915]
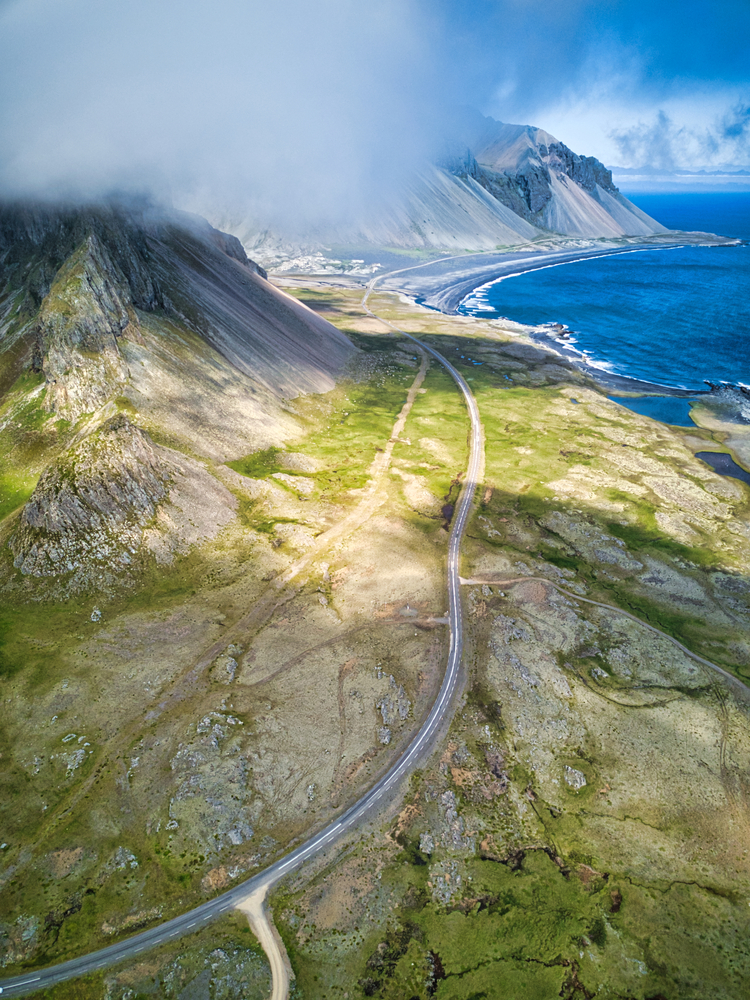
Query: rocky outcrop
[584, 170]
[89, 509]
[528, 191]
[526, 194]
[111, 502]
[88, 307]
[544, 182]
[206, 768]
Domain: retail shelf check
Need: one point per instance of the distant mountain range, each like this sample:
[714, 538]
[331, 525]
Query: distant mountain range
[497, 185]
[655, 179]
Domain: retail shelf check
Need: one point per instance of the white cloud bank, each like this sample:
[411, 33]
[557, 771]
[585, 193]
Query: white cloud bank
[301, 110]
[289, 107]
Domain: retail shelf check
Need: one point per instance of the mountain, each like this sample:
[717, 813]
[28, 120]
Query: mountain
[135, 347]
[495, 186]
[550, 186]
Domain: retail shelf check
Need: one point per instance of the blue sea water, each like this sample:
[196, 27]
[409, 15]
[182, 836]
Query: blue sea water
[674, 317]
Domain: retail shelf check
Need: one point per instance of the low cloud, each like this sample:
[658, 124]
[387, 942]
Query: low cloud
[735, 127]
[664, 145]
[652, 145]
[310, 110]
[289, 109]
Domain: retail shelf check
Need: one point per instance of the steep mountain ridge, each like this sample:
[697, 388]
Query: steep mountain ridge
[70, 272]
[86, 310]
[546, 183]
[495, 186]
[124, 329]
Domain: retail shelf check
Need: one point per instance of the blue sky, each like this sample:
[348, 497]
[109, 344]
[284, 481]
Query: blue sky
[660, 83]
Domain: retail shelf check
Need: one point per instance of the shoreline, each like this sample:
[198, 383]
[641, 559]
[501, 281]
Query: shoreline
[443, 284]
[462, 282]
[613, 380]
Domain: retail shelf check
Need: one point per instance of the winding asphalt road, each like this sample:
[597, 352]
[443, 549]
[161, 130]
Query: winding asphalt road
[200, 916]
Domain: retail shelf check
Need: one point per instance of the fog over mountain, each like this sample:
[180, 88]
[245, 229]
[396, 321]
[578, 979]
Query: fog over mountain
[295, 108]
[313, 109]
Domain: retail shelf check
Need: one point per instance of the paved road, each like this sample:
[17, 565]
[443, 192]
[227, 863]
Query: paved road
[210, 910]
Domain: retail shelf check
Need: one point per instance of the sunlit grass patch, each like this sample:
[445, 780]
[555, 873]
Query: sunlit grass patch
[345, 430]
[16, 486]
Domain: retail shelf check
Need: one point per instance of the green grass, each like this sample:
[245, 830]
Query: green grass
[259, 464]
[27, 437]
[16, 486]
[620, 590]
[345, 429]
[641, 538]
[439, 415]
[530, 929]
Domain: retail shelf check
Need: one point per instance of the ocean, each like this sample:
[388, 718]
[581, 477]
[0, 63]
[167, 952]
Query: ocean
[674, 317]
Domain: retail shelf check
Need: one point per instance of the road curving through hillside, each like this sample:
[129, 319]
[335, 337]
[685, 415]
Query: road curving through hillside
[237, 897]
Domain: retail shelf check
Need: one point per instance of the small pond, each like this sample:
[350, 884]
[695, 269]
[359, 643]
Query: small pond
[724, 464]
[667, 409]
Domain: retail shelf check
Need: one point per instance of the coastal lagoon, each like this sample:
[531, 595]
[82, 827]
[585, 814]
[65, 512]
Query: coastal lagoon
[675, 317]
[672, 410]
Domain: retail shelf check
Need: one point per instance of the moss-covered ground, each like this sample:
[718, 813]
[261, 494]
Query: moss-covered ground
[583, 829]
[92, 763]
[636, 882]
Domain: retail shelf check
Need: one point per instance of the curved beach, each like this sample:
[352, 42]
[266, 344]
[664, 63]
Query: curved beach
[443, 284]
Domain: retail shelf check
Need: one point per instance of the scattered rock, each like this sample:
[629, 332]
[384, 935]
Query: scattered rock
[426, 843]
[445, 881]
[133, 921]
[224, 667]
[394, 705]
[19, 940]
[212, 802]
[574, 778]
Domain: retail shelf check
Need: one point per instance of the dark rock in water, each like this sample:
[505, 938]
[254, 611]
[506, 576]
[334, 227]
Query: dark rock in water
[728, 387]
[732, 398]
